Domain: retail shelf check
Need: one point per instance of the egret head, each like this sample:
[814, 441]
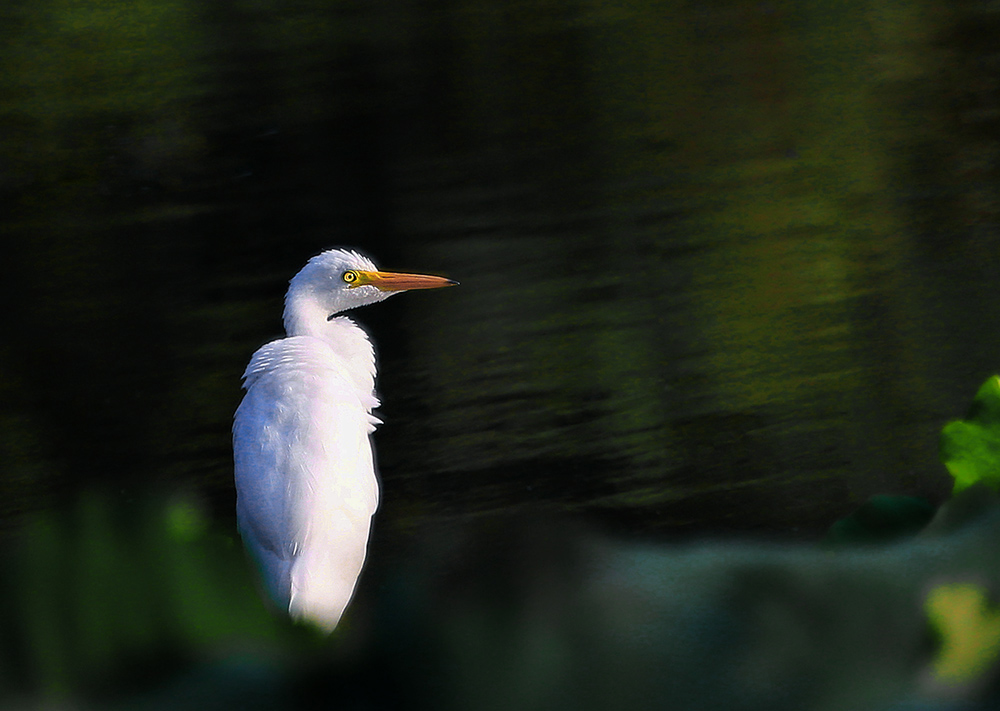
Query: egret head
[338, 280]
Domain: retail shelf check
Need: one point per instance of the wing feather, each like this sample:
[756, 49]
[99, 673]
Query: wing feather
[305, 475]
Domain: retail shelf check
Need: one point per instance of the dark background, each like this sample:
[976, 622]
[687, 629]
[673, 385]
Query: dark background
[726, 268]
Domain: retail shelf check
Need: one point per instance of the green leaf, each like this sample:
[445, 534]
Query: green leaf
[970, 448]
[969, 630]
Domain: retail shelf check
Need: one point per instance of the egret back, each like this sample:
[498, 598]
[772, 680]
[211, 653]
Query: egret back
[305, 475]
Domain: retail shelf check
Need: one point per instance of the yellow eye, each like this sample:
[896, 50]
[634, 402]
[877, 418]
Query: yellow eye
[351, 277]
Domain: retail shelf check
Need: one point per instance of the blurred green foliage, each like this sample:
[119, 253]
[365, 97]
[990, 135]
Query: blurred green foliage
[970, 447]
[107, 586]
[968, 625]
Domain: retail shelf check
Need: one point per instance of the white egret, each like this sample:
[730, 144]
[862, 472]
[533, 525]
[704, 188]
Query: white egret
[306, 487]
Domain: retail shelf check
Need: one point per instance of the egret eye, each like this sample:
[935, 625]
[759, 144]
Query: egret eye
[351, 277]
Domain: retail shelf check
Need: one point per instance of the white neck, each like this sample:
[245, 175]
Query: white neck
[304, 316]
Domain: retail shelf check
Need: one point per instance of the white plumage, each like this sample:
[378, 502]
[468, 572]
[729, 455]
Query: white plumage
[305, 475]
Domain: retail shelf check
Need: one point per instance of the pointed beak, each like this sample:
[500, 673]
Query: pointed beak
[391, 281]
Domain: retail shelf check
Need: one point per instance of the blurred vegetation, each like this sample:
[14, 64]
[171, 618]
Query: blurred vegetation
[971, 447]
[969, 628]
[110, 593]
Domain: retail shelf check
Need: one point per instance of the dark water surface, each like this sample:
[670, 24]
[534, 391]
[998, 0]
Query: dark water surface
[725, 267]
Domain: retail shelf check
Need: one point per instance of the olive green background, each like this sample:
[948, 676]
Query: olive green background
[726, 267]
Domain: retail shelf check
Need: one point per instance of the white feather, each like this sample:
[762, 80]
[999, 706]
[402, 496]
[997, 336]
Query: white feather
[305, 473]
[306, 487]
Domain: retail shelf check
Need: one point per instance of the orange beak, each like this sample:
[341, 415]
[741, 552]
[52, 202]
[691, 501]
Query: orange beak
[391, 281]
